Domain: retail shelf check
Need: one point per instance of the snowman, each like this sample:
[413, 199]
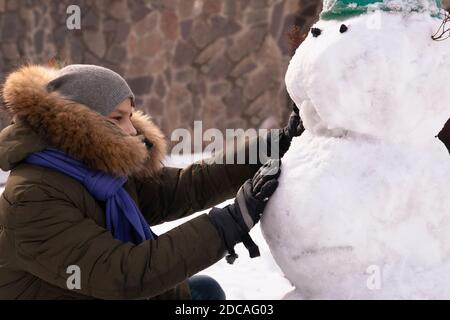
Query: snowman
[362, 210]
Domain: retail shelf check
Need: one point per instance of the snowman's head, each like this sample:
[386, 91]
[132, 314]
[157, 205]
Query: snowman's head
[377, 74]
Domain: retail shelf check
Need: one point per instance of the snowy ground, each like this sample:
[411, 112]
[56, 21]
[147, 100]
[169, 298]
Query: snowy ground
[249, 279]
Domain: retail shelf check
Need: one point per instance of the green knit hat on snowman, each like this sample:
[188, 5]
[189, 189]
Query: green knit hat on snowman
[343, 9]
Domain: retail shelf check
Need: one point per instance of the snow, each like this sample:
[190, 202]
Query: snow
[3, 177]
[407, 5]
[384, 72]
[365, 187]
[247, 279]
[394, 5]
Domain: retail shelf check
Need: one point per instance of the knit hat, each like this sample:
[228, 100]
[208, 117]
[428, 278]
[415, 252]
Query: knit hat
[343, 9]
[98, 88]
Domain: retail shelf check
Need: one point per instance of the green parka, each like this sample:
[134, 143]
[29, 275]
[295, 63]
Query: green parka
[49, 221]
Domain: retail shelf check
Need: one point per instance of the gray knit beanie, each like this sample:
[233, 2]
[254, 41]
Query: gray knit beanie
[99, 88]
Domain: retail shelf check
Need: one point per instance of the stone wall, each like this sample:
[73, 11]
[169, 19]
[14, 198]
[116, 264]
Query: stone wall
[220, 61]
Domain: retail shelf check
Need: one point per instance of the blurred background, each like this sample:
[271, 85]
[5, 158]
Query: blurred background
[219, 61]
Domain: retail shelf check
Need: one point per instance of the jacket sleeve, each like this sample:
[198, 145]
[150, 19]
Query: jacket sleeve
[177, 193]
[52, 234]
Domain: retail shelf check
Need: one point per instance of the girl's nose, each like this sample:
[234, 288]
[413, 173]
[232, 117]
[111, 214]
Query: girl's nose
[130, 129]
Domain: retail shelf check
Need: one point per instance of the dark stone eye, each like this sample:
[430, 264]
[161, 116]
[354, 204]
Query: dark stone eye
[316, 32]
[343, 28]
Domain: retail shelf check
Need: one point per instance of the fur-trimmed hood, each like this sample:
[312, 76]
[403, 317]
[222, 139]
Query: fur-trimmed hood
[77, 130]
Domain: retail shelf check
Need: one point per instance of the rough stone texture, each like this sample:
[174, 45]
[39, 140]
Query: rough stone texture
[220, 61]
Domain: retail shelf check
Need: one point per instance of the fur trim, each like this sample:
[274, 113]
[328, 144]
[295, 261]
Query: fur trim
[79, 131]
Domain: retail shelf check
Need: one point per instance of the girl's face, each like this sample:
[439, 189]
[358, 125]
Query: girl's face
[122, 117]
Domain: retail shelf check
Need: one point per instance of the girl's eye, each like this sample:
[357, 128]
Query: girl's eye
[118, 118]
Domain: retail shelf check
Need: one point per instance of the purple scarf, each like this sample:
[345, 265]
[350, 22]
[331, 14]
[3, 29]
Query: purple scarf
[123, 217]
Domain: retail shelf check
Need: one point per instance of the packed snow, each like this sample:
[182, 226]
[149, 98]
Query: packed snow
[362, 210]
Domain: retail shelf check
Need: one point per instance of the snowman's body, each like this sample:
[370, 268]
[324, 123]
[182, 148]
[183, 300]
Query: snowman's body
[363, 205]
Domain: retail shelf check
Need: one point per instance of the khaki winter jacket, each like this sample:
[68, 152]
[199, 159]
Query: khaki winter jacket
[48, 221]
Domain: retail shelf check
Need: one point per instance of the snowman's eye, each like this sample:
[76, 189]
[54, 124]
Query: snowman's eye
[343, 28]
[316, 32]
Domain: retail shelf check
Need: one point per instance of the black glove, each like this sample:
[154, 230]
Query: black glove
[293, 129]
[235, 220]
